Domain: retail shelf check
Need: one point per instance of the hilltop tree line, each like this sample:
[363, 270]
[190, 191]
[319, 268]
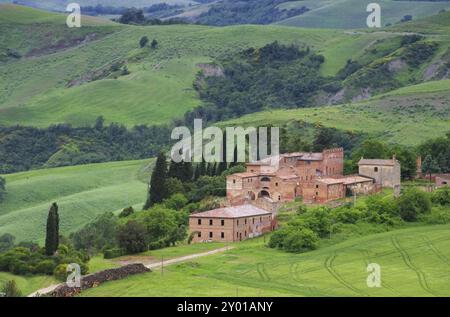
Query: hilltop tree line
[24, 148]
[2, 189]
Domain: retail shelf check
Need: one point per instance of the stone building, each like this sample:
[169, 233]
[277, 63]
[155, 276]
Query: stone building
[295, 173]
[442, 180]
[386, 173]
[230, 224]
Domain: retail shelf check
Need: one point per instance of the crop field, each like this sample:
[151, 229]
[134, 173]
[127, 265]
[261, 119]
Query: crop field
[414, 262]
[160, 84]
[82, 192]
[406, 116]
[351, 14]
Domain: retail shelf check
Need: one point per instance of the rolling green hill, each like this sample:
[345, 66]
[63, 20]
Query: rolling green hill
[58, 87]
[82, 192]
[414, 262]
[351, 14]
[408, 116]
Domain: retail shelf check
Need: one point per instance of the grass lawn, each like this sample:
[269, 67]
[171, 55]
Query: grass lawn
[28, 284]
[82, 192]
[407, 116]
[414, 262]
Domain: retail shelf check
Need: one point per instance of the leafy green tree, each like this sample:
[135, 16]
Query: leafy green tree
[10, 289]
[187, 172]
[413, 203]
[132, 237]
[6, 242]
[52, 234]
[408, 163]
[441, 196]
[126, 212]
[430, 166]
[158, 188]
[2, 188]
[154, 44]
[176, 201]
[143, 41]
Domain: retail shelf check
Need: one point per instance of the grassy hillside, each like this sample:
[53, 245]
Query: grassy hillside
[408, 116]
[35, 89]
[350, 14]
[29, 284]
[414, 262]
[82, 192]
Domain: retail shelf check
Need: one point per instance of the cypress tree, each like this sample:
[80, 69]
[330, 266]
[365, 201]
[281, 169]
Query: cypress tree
[223, 164]
[208, 170]
[52, 233]
[202, 167]
[197, 172]
[175, 170]
[158, 187]
[187, 172]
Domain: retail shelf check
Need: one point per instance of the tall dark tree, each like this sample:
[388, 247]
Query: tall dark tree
[2, 188]
[175, 170]
[223, 165]
[158, 187]
[52, 234]
[202, 167]
[430, 166]
[187, 172]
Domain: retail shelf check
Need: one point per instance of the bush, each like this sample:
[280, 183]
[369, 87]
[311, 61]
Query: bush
[318, 220]
[60, 272]
[6, 242]
[126, 212]
[413, 203]
[294, 239]
[347, 215]
[132, 237]
[45, 267]
[112, 253]
[438, 216]
[10, 289]
[382, 210]
[441, 196]
[176, 202]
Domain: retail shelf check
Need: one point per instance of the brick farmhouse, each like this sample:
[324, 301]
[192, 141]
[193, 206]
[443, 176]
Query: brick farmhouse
[255, 195]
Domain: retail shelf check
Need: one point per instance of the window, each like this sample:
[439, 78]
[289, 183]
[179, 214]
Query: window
[237, 234]
[317, 193]
[199, 221]
[222, 222]
[237, 222]
[222, 235]
[245, 221]
[260, 219]
[317, 186]
[279, 197]
[210, 222]
[199, 234]
[210, 234]
[234, 181]
[276, 184]
[245, 233]
[265, 179]
[375, 169]
[253, 220]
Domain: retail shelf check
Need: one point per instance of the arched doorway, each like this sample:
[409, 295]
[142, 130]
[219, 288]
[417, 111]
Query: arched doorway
[251, 195]
[264, 193]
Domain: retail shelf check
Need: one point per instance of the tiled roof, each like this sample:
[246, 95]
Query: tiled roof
[356, 179]
[331, 181]
[376, 162]
[232, 212]
[244, 175]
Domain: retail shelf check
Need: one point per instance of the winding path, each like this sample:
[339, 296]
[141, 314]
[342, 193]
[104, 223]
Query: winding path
[50, 288]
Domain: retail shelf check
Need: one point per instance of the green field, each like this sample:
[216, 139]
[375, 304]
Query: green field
[160, 86]
[414, 262]
[82, 192]
[351, 14]
[28, 284]
[408, 116]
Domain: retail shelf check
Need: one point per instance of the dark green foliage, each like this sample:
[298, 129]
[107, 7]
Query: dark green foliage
[208, 186]
[176, 202]
[132, 16]
[350, 68]
[10, 289]
[327, 138]
[52, 233]
[154, 44]
[413, 203]
[419, 52]
[25, 261]
[143, 41]
[112, 253]
[439, 151]
[275, 76]
[158, 188]
[2, 188]
[294, 239]
[126, 212]
[132, 237]
[97, 235]
[24, 148]
[247, 12]
[381, 210]
[410, 39]
[441, 196]
[6, 242]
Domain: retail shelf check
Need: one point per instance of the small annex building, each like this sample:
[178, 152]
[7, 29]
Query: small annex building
[230, 224]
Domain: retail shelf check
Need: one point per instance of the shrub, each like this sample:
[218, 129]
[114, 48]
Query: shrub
[347, 215]
[439, 215]
[60, 272]
[6, 242]
[126, 212]
[112, 253]
[176, 202]
[382, 210]
[413, 203]
[45, 267]
[10, 289]
[441, 196]
[318, 220]
[300, 240]
[132, 237]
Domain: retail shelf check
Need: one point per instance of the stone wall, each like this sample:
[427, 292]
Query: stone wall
[95, 279]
